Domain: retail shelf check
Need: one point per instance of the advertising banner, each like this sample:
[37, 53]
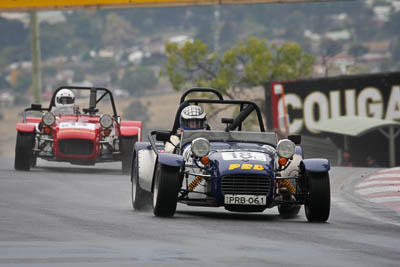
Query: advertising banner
[297, 106]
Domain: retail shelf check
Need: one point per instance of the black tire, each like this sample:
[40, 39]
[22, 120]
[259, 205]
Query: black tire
[318, 205]
[127, 144]
[24, 151]
[34, 161]
[141, 199]
[288, 211]
[165, 192]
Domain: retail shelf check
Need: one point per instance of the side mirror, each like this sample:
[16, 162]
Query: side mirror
[295, 138]
[163, 136]
[37, 107]
[227, 120]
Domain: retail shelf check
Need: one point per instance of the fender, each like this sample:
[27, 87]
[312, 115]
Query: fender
[172, 160]
[131, 123]
[316, 165]
[129, 131]
[33, 120]
[146, 161]
[299, 151]
[25, 127]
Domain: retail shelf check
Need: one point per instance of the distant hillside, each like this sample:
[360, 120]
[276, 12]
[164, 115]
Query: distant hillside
[100, 46]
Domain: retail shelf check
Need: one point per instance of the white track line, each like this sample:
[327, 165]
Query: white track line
[387, 182]
[379, 189]
[387, 175]
[356, 210]
[390, 170]
[385, 199]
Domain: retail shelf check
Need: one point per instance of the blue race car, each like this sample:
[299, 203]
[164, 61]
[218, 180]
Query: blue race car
[243, 171]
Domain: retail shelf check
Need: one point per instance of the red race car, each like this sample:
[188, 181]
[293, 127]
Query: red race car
[67, 134]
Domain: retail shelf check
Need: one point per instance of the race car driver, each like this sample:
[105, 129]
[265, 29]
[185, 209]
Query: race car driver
[65, 103]
[192, 118]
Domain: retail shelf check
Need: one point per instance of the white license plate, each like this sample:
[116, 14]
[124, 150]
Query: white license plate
[245, 200]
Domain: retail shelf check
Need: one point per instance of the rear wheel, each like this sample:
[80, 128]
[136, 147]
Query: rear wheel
[141, 199]
[34, 161]
[318, 206]
[24, 151]
[127, 144]
[288, 211]
[166, 186]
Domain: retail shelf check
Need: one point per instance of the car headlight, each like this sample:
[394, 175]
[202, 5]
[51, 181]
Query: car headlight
[200, 147]
[106, 121]
[286, 148]
[48, 118]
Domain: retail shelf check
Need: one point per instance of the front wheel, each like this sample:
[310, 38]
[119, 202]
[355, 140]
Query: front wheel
[24, 151]
[318, 206]
[126, 147]
[165, 193]
[288, 211]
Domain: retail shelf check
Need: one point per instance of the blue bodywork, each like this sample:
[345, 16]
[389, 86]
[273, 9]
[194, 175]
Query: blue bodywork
[316, 165]
[218, 167]
[235, 168]
[142, 145]
[172, 160]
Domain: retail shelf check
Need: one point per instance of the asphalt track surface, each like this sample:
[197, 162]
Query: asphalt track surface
[63, 215]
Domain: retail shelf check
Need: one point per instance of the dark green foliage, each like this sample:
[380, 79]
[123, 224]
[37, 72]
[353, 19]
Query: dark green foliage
[137, 80]
[103, 65]
[254, 62]
[21, 99]
[23, 83]
[357, 50]
[16, 33]
[138, 111]
[122, 29]
[80, 33]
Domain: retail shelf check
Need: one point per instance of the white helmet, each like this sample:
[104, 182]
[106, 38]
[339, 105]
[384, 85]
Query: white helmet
[193, 118]
[65, 98]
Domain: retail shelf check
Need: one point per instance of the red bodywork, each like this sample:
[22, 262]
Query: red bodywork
[76, 137]
[82, 132]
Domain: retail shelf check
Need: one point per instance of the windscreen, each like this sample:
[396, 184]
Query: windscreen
[222, 136]
[216, 112]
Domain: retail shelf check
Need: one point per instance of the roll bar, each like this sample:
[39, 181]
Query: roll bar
[200, 90]
[246, 107]
[93, 96]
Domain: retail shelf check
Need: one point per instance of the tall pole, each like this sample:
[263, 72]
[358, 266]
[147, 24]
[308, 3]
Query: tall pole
[216, 28]
[35, 53]
[392, 151]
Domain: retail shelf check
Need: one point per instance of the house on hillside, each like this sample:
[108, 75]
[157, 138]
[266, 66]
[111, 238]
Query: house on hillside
[379, 47]
[342, 35]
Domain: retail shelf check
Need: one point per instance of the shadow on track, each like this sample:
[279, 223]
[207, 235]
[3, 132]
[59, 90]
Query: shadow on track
[235, 216]
[74, 169]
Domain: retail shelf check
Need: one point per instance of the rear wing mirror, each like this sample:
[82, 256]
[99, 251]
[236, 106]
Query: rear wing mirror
[295, 138]
[227, 120]
[163, 136]
[37, 107]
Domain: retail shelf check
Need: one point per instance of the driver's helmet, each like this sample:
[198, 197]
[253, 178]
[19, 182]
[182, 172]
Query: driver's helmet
[65, 98]
[193, 118]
